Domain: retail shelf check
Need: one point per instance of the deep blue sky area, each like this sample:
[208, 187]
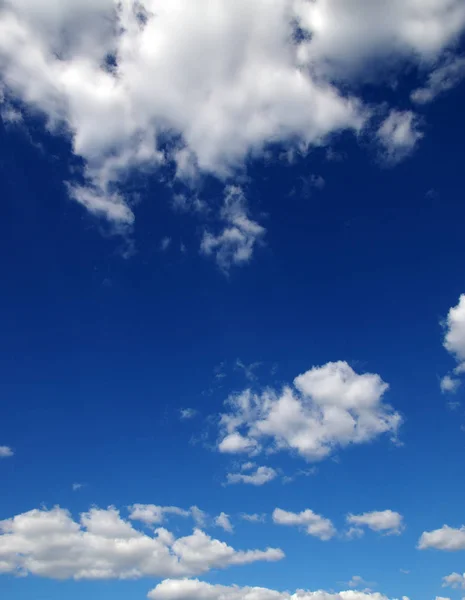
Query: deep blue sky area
[101, 348]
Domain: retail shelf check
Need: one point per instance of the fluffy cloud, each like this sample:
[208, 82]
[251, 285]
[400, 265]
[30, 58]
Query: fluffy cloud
[6, 452]
[329, 407]
[454, 342]
[259, 476]
[102, 545]
[385, 521]
[454, 580]
[145, 84]
[312, 523]
[151, 514]
[445, 538]
[193, 589]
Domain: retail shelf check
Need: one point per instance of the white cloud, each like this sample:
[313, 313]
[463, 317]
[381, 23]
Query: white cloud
[357, 582]
[151, 513]
[385, 521]
[449, 384]
[329, 407]
[454, 342]
[223, 521]
[445, 538]
[193, 589]
[441, 598]
[188, 413]
[254, 517]
[399, 134]
[454, 580]
[312, 523]
[234, 245]
[77, 486]
[6, 452]
[260, 476]
[442, 79]
[102, 545]
[221, 83]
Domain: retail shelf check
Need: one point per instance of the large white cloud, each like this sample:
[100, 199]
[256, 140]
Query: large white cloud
[329, 407]
[219, 81]
[445, 538]
[193, 589]
[6, 452]
[102, 545]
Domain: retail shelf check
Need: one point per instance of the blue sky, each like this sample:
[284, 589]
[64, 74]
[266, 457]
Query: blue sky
[233, 329]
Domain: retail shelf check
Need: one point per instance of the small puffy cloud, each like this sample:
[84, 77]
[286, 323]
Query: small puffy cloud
[77, 486]
[386, 521]
[235, 243]
[102, 545]
[6, 452]
[329, 407]
[223, 521]
[445, 538]
[151, 514]
[188, 413]
[260, 476]
[254, 517]
[442, 79]
[193, 589]
[449, 384]
[399, 134]
[454, 580]
[358, 582]
[312, 523]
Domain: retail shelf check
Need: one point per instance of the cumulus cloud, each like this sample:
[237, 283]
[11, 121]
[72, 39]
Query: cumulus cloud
[6, 452]
[385, 521]
[328, 407]
[312, 523]
[147, 84]
[454, 342]
[223, 521]
[399, 134]
[193, 589]
[454, 580]
[259, 476]
[102, 545]
[445, 538]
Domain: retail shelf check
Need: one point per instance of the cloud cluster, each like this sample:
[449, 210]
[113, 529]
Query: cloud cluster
[102, 545]
[193, 589]
[445, 538]
[142, 84]
[454, 342]
[329, 407]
